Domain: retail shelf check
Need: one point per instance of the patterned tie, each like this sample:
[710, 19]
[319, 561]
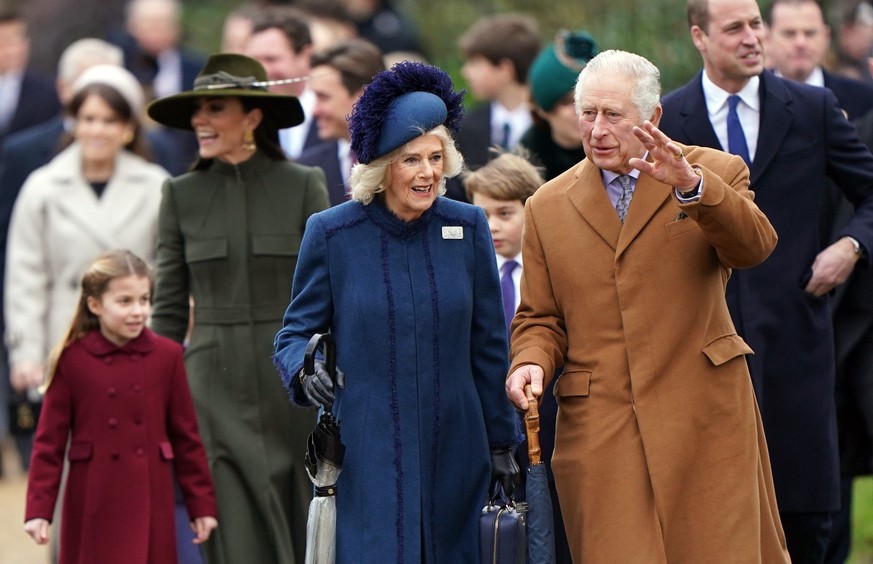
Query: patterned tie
[507, 288]
[627, 192]
[736, 136]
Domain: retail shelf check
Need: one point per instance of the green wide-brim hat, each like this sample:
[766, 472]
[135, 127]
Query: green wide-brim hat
[229, 75]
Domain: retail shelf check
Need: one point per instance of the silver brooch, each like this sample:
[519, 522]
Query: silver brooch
[453, 232]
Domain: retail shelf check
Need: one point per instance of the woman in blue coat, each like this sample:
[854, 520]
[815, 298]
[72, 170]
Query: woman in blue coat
[406, 282]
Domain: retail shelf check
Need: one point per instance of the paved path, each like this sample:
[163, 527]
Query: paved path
[15, 546]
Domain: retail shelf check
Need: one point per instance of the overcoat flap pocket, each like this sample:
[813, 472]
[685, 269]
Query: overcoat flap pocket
[281, 245]
[80, 451]
[205, 249]
[166, 450]
[573, 383]
[725, 348]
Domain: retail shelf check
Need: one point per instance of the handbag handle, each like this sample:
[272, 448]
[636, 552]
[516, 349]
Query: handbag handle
[532, 426]
[326, 342]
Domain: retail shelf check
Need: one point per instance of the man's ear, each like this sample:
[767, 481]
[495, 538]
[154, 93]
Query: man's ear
[698, 36]
[656, 116]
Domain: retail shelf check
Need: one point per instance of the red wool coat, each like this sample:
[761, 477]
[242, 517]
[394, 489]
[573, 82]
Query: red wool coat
[131, 423]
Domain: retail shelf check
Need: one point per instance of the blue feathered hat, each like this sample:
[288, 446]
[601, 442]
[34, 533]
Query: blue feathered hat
[398, 104]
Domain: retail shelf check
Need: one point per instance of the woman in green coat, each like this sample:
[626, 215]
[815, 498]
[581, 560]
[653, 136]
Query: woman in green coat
[229, 232]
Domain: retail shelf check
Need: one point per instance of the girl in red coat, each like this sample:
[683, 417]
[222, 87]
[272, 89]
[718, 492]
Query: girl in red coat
[119, 393]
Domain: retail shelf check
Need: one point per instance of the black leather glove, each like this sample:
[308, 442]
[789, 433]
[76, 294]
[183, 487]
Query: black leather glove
[318, 387]
[504, 469]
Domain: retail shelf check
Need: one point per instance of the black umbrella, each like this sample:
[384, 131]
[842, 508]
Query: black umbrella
[324, 461]
[540, 525]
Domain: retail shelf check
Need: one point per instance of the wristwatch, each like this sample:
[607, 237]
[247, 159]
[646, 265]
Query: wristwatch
[692, 193]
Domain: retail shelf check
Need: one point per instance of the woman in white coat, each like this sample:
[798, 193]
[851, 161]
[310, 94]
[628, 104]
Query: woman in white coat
[95, 195]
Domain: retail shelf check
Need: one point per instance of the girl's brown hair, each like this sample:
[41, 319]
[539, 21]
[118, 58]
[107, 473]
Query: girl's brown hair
[108, 266]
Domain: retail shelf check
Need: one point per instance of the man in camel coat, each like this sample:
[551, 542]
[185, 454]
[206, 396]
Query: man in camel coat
[659, 450]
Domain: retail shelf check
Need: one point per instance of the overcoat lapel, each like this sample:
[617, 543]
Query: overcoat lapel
[79, 203]
[649, 196]
[588, 196]
[776, 120]
[694, 106]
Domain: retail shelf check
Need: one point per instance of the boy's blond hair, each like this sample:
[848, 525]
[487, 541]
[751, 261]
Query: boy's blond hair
[507, 177]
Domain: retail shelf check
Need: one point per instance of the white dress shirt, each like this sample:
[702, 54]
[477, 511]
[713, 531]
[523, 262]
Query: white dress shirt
[519, 121]
[749, 111]
[293, 139]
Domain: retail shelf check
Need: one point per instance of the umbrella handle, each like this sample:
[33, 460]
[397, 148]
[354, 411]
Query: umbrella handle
[532, 426]
[329, 345]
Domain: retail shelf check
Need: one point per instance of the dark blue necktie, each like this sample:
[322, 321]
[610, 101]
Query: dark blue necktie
[507, 288]
[736, 136]
[506, 134]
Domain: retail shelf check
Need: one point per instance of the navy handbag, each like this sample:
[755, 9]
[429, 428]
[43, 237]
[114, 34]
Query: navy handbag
[502, 530]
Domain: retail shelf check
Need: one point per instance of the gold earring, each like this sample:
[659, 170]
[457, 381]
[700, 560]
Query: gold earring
[128, 137]
[249, 141]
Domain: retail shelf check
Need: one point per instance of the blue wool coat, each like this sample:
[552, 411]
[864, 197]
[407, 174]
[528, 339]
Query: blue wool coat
[418, 321]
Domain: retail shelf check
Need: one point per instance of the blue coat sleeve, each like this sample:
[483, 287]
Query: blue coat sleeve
[489, 342]
[310, 311]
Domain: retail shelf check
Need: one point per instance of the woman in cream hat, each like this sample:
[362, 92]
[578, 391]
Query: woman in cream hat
[96, 194]
[229, 235]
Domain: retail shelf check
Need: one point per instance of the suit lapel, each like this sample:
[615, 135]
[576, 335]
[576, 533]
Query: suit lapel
[694, 121]
[776, 119]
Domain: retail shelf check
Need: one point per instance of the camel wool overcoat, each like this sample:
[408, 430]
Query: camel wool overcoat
[659, 451]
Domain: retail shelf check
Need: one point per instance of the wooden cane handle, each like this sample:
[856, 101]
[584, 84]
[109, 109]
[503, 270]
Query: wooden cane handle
[532, 425]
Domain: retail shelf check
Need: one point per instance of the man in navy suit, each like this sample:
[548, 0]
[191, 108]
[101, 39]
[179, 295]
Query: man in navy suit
[26, 96]
[282, 42]
[795, 138]
[797, 44]
[338, 77]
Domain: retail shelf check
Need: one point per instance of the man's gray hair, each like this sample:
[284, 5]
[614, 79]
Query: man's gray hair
[86, 53]
[646, 78]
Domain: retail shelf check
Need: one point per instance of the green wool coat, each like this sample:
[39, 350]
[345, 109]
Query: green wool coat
[228, 237]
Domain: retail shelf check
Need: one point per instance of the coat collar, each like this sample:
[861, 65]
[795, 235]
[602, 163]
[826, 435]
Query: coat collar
[79, 201]
[776, 119]
[249, 167]
[95, 343]
[382, 216]
[588, 196]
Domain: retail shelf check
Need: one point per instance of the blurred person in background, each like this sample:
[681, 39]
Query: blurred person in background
[855, 39]
[27, 97]
[154, 53]
[797, 43]
[339, 76]
[329, 22]
[237, 28]
[281, 42]
[498, 51]
[554, 141]
[384, 25]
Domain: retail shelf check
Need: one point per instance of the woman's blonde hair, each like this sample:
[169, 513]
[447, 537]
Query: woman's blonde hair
[108, 266]
[369, 179]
